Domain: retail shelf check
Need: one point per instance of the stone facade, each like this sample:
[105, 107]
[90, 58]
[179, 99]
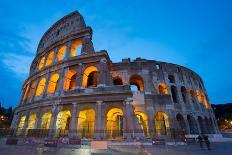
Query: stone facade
[86, 95]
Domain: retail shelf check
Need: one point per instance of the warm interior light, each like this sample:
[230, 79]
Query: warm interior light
[50, 58]
[143, 121]
[41, 63]
[31, 121]
[86, 123]
[45, 120]
[70, 80]
[52, 83]
[163, 88]
[32, 89]
[114, 123]
[86, 76]
[61, 53]
[161, 123]
[76, 48]
[63, 120]
[40, 87]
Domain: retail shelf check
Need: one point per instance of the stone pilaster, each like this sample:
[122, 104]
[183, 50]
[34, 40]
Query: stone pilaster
[99, 124]
[73, 123]
[52, 127]
[132, 128]
[87, 46]
[26, 123]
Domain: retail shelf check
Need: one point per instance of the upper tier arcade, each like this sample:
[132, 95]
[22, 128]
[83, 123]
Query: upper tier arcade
[61, 41]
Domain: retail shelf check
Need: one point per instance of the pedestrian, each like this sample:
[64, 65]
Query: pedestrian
[200, 141]
[207, 142]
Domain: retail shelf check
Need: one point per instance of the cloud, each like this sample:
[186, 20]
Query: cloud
[18, 64]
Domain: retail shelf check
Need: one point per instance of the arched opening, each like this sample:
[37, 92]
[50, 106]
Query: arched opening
[32, 89]
[62, 122]
[192, 124]
[117, 81]
[50, 58]
[22, 122]
[161, 123]
[207, 125]
[174, 94]
[171, 79]
[31, 121]
[46, 120]
[163, 88]
[181, 123]
[21, 125]
[199, 97]
[205, 101]
[41, 63]
[114, 123]
[143, 121]
[136, 83]
[61, 53]
[184, 94]
[52, 83]
[90, 77]
[70, 80]
[40, 87]
[192, 96]
[86, 123]
[76, 48]
[202, 125]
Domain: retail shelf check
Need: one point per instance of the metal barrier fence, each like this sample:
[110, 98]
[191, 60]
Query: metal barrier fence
[175, 134]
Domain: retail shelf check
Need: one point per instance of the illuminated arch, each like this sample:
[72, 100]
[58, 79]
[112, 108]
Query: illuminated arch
[143, 121]
[90, 77]
[86, 121]
[52, 83]
[136, 80]
[41, 63]
[22, 122]
[70, 80]
[21, 125]
[46, 120]
[117, 80]
[61, 53]
[192, 95]
[162, 123]
[32, 89]
[63, 120]
[199, 97]
[40, 87]
[50, 58]
[163, 89]
[205, 101]
[31, 121]
[76, 48]
[114, 123]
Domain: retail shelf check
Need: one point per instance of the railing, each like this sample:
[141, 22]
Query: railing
[175, 134]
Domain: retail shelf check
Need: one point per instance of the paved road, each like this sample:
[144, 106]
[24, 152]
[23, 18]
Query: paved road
[217, 149]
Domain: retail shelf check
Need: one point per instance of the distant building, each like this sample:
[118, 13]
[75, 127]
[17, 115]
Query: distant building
[74, 91]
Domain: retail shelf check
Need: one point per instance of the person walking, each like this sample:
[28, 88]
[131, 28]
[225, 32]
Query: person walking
[207, 142]
[200, 141]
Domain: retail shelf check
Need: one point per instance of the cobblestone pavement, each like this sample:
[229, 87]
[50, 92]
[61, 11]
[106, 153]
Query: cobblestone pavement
[217, 149]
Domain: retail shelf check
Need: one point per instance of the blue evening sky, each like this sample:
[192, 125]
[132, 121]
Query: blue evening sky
[193, 33]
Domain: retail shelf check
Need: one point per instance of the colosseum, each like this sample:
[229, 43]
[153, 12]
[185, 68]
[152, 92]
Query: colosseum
[74, 91]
